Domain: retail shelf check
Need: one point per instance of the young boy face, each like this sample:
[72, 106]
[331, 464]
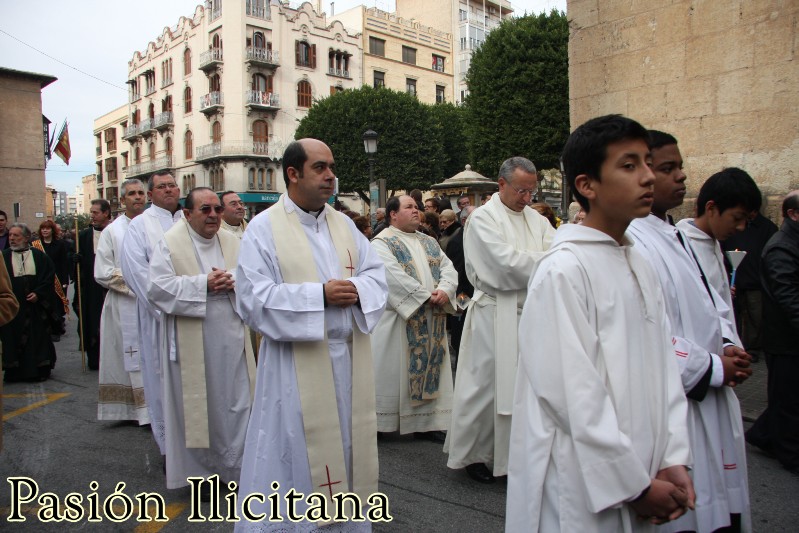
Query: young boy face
[625, 188]
[724, 225]
[669, 178]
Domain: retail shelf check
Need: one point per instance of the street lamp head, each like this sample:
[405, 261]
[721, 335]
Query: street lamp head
[54, 192]
[370, 141]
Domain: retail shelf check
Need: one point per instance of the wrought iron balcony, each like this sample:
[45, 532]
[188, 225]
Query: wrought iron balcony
[165, 82]
[149, 90]
[162, 121]
[262, 100]
[160, 163]
[131, 132]
[238, 150]
[262, 57]
[145, 126]
[210, 59]
[341, 73]
[212, 102]
[259, 9]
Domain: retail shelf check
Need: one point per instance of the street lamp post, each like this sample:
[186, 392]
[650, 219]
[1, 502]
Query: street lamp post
[375, 188]
[55, 195]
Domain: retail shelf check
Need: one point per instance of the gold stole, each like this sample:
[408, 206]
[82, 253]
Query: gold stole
[191, 350]
[315, 372]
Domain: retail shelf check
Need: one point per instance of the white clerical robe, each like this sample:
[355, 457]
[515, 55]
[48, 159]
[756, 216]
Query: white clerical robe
[501, 248]
[275, 449]
[226, 378]
[390, 339]
[121, 391]
[143, 235]
[599, 408]
[711, 259]
[238, 231]
[699, 328]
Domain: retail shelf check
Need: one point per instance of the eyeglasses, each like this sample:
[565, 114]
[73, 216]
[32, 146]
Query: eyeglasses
[522, 192]
[164, 186]
[206, 209]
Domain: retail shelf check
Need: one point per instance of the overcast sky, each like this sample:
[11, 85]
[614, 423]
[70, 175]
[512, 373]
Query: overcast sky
[98, 37]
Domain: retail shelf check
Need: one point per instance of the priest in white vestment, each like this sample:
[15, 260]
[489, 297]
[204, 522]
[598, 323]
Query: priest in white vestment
[413, 376]
[309, 282]
[707, 352]
[205, 366]
[143, 235]
[233, 215]
[502, 243]
[121, 391]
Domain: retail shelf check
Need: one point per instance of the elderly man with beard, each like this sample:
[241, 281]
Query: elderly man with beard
[28, 352]
[207, 382]
[233, 215]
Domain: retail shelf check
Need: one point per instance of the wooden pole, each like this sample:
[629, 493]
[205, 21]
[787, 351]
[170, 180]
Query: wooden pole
[80, 298]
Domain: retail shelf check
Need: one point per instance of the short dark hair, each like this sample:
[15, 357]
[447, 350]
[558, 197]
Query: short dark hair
[151, 179]
[732, 187]
[587, 148]
[3, 214]
[189, 202]
[361, 223]
[222, 196]
[105, 207]
[392, 206]
[431, 218]
[659, 139]
[293, 157]
[790, 202]
[434, 200]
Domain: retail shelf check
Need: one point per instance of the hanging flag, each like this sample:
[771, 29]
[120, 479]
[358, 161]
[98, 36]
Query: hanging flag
[62, 149]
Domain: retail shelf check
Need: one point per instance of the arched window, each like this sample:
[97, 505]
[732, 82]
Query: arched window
[188, 144]
[262, 83]
[186, 62]
[166, 104]
[251, 179]
[217, 41]
[216, 132]
[214, 84]
[187, 100]
[258, 40]
[260, 136]
[304, 94]
[152, 150]
[270, 177]
[168, 146]
[151, 110]
[137, 155]
[261, 179]
[220, 180]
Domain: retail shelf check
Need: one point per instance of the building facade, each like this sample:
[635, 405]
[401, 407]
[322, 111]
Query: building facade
[217, 97]
[721, 76]
[24, 154]
[112, 155]
[88, 192]
[404, 55]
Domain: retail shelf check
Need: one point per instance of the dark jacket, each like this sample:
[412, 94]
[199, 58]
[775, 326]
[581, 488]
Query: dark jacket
[779, 272]
[751, 240]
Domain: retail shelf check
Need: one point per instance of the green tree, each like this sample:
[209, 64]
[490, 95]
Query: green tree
[450, 123]
[409, 153]
[67, 222]
[518, 101]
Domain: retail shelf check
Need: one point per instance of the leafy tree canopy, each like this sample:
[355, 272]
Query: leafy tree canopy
[518, 101]
[411, 150]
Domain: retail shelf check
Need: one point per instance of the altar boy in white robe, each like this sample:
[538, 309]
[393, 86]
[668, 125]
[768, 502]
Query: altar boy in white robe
[723, 205]
[709, 360]
[502, 243]
[206, 376]
[413, 376]
[599, 439]
[309, 282]
[121, 391]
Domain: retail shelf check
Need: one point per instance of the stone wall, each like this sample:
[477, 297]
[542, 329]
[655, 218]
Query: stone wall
[720, 75]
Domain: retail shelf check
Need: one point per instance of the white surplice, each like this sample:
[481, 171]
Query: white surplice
[121, 389]
[226, 379]
[275, 449]
[238, 231]
[390, 339]
[599, 407]
[143, 235]
[501, 248]
[698, 317]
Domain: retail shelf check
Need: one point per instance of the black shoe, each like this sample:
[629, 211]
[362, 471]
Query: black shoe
[480, 473]
[432, 436]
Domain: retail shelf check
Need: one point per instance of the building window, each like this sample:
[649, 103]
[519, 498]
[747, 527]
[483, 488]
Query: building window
[270, 179]
[151, 151]
[166, 105]
[410, 86]
[214, 84]
[377, 46]
[260, 136]
[217, 41]
[261, 179]
[380, 79]
[188, 143]
[261, 83]
[168, 146]
[438, 63]
[305, 54]
[258, 40]
[251, 180]
[186, 62]
[137, 155]
[110, 139]
[216, 132]
[187, 100]
[304, 94]
[151, 110]
[409, 55]
[166, 72]
[440, 94]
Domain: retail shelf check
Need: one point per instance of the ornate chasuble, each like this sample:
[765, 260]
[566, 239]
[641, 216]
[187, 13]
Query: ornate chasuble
[314, 369]
[190, 333]
[426, 341]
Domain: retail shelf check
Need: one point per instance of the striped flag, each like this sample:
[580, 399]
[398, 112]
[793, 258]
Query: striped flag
[62, 149]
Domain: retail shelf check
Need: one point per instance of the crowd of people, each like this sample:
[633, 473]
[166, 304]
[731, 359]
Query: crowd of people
[591, 362]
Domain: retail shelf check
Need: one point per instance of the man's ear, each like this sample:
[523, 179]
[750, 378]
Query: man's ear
[710, 205]
[584, 184]
[293, 175]
[186, 212]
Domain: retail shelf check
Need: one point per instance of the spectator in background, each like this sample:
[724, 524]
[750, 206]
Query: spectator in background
[56, 249]
[430, 223]
[380, 216]
[416, 194]
[547, 212]
[464, 214]
[362, 223]
[485, 197]
[3, 231]
[431, 205]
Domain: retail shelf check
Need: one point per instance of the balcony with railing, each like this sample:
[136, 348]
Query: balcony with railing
[160, 163]
[341, 73]
[210, 59]
[131, 132]
[261, 57]
[165, 82]
[212, 102]
[259, 9]
[261, 100]
[239, 149]
[145, 126]
[162, 121]
[149, 90]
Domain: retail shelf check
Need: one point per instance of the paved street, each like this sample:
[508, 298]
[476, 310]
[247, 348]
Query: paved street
[52, 436]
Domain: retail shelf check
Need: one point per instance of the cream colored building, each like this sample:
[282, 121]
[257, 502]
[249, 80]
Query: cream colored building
[111, 155]
[23, 146]
[403, 54]
[88, 191]
[468, 21]
[217, 97]
[722, 76]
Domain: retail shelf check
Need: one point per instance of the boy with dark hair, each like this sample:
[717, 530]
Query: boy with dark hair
[599, 437]
[707, 351]
[725, 202]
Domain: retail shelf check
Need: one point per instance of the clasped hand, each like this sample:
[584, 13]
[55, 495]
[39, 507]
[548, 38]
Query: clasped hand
[342, 293]
[220, 280]
[670, 495]
[737, 365]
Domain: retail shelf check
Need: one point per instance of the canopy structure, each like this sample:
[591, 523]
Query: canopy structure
[467, 182]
